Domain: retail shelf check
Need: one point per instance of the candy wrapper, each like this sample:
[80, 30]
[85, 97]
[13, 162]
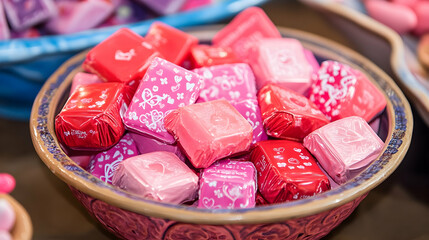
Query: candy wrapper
[233, 82]
[287, 114]
[159, 176]
[311, 59]
[164, 7]
[26, 13]
[122, 57]
[340, 91]
[344, 147]
[164, 88]
[192, 4]
[82, 79]
[206, 56]
[287, 171]
[173, 44]
[127, 11]
[209, 131]
[249, 109]
[246, 29]
[104, 164]
[4, 28]
[7, 216]
[91, 117]
[228, 184]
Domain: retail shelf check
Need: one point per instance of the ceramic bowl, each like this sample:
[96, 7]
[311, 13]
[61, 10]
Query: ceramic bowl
[25, 64]
[129, 216]
[23, 229]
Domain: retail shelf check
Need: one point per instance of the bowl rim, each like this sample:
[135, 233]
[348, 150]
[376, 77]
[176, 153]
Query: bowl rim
[23, 228]
[396, 146]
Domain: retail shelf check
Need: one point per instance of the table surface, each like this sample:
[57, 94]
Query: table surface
[396, 209]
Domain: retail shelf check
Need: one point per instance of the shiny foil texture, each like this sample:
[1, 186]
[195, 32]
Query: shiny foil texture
[91, 117]
[287, 171]
[287, 114]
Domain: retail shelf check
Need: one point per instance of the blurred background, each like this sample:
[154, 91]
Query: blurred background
[397, 209]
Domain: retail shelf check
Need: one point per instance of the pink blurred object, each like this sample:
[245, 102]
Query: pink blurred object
[5, 235]
[7, 183]
[164, 88]
[344, 147]
[22, 14]
[421, 9]
[311, 59]
[7, 215]
[164, 7]
[408, 3]
[75, 16]
[283, 62]
[159, 176]
[246, 29]
[192, 4]
[233, 82]
[82, 79]
[399, 17]
[27, 33]
[104, 164]
[250, 110]
[209, 131]
[228, 184]
[4, 28]
[147, 144]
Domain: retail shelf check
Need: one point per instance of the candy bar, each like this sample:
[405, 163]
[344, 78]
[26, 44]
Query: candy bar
[246, 29]
[91, 117]
[147, 144]
[209, 131]
[104, 164]
[287, 171]
[4, 28]
[287, 114]
[75, 16]
[340, 91]
[122, 57]
[228, 184]
[249, 109]
[173, 44]
[82, 79]
[233, 82]
[283, 62]
[206, 56]
[7, 215]
[164, 7]
[344, 147]
[159, 176]
[164, 88]
[26, 13]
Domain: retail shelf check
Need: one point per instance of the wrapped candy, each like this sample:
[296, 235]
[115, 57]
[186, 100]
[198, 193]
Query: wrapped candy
[122, 57]
[287, 171]
[104, 164]
[287, 114]
[233, 82]
[209, 131]
[192, 4]
[7, 215]
[246, 29]
[260, 200]
[228, 184]
[249, 109]
[173, 44]
[4, 28]
[344, 147]
[283, 62]
[164, 7]
[81, 79]
[164, 88]
[91, 117]
[206, 55]
[340, 91]
[127, 11]
[147, 144]
[26, 13]
[7, 183]
[159, 176]
[311, 59]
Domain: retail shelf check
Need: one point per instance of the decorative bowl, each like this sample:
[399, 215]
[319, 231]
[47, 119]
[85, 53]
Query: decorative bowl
[129, 216]
[25, 64]
[23, 229]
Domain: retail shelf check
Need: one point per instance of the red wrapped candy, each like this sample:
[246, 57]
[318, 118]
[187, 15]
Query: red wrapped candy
[287, 114]
[91, 117]
[287, 171]
[206, 56]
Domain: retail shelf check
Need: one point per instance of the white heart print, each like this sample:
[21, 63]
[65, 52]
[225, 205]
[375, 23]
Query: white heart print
[177, 79]
[190, 86]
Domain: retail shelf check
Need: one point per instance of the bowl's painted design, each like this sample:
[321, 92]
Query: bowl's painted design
[123, 213]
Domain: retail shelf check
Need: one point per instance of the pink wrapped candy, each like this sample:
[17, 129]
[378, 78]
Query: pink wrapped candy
[104, 164]
[159, 176]
[209, 131]
[249, 109]
[340, 91]
[23, 14]
[228, 184]
[164, 88]
[4, 28]
[234, 82]
[311, 59]
[147, 144]
[344, 147]
[7, 215]
[81, 79]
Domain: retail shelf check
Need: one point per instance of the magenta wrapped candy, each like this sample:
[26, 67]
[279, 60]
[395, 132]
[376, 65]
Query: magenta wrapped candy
[164, 7]
[209, 131]
[164, 88]
[159, 176]
[250, 110]
[105, 163]
[344, 147]
[234, 82]
[228, 184]
[23, 14]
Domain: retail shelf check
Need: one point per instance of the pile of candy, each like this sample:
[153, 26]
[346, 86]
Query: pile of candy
[33, 18]
[241, 125]
[7, 213]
